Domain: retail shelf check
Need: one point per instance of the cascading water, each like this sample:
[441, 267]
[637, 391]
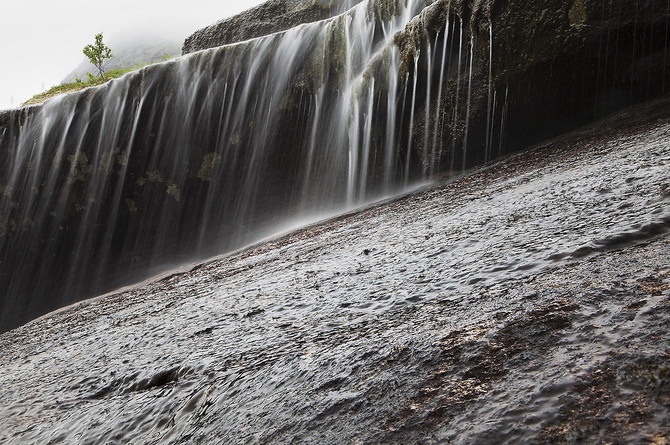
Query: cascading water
[208, 153]
[199, 156]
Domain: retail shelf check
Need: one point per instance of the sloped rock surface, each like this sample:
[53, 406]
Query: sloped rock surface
[527, 302]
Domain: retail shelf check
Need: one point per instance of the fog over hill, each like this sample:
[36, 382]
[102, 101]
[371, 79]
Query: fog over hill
[130, 51]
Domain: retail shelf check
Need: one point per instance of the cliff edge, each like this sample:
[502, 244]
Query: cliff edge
[268, 18]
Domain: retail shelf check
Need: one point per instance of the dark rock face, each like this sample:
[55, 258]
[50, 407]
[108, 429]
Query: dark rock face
[540, 68]
[267, 18]
[567, 63]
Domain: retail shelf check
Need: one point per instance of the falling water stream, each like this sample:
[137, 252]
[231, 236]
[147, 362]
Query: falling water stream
[213, 151]
[201, 155]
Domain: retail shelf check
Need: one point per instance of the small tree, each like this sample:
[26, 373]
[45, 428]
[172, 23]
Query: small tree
[97, 53]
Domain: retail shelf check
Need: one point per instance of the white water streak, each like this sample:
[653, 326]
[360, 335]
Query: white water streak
[467, 110]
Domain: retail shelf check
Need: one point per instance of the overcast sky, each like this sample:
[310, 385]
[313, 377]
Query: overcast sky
[41, 41]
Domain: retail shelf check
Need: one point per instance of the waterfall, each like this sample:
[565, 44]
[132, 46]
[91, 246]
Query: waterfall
[196, 157]
[201, 155]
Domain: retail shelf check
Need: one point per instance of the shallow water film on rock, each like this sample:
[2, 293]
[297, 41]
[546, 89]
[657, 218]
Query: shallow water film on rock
[535, 314]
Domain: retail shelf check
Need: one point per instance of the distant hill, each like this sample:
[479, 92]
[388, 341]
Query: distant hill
[128, 52]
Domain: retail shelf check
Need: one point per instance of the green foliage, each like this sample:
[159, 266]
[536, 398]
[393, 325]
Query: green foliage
[77, 85]
[91, 81]
[97, 53]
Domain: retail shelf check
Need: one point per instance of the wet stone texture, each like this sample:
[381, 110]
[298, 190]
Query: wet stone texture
[528, 302]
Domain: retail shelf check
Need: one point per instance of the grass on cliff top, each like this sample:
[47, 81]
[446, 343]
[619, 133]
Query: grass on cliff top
[90, 81]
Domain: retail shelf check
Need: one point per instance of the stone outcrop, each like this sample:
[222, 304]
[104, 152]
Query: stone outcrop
[568, 63]
[527, 70]
[268, 18]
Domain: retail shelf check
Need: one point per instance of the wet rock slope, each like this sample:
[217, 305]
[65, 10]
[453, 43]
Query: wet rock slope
[526, 302]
